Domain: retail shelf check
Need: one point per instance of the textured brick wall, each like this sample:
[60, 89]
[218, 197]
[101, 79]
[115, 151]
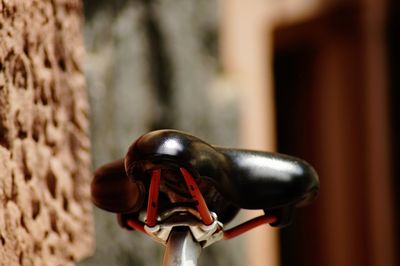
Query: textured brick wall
[45, 210]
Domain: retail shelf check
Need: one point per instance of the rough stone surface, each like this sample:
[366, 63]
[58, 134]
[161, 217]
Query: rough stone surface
[153, 64]
[45, 209]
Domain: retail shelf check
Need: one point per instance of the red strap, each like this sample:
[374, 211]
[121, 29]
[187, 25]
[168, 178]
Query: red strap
[198, 197]
[137, 225]
[152, 203]
[244, 227]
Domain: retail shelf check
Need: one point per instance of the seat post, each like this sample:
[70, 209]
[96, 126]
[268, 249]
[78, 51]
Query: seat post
[181, 249]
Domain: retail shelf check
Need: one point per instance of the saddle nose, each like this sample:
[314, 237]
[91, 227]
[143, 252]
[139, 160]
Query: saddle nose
[112, 190]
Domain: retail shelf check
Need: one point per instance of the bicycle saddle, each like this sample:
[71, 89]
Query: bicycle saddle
[229, 179]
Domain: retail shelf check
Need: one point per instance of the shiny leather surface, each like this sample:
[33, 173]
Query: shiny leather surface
[249, 179]
[228, 178]
[262, 180]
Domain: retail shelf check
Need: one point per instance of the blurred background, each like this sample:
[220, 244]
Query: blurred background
[311, 78]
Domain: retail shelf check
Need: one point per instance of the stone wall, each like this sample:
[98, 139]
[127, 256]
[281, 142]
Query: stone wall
[45, 210]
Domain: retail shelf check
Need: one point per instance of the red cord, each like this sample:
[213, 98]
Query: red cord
[201, 205]
[152, 202]
[198, 197]
[135, 224]
[244, 227]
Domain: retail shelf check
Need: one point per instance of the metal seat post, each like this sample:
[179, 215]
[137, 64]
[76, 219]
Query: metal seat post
[181, 249]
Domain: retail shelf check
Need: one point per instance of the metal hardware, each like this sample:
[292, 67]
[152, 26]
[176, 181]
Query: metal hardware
[182, 249]
[186, 217]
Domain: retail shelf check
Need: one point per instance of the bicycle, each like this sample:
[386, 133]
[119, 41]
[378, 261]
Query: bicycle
[193, 189]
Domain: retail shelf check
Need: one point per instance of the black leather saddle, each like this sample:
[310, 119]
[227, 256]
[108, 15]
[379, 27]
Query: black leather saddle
[229, 179]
